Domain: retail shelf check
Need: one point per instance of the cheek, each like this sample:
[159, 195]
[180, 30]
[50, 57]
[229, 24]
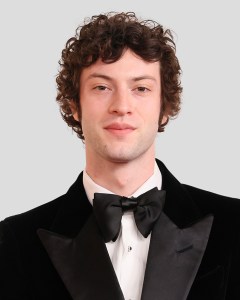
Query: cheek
[91, 117]
[88, 111]
[92, 106]
[152, 118]
[152, 112]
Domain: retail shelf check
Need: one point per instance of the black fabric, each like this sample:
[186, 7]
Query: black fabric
[174, 258]
[83, 262]
[109, 208]
[28, 273]
[80, 260]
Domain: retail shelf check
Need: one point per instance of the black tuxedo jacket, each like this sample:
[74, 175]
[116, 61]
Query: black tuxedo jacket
[56, 252]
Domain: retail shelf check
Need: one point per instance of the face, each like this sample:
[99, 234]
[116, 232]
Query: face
[120, 105]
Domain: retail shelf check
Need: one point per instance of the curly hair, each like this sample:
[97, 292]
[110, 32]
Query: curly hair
[105, 37]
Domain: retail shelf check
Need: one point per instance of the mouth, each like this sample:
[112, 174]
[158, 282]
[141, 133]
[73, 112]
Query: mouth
[119, 128]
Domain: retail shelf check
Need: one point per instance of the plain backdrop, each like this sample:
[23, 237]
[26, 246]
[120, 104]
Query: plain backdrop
[41, 157]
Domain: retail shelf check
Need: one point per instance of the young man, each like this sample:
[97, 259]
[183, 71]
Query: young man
[126, 229]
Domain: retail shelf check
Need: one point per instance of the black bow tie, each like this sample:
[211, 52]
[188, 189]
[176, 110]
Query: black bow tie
[109, 208]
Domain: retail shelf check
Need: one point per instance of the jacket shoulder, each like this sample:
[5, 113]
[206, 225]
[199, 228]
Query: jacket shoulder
[42, 216]
[36, 217]
[214, 202]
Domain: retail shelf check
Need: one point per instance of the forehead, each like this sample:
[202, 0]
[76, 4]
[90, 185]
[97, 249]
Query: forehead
[130, 65]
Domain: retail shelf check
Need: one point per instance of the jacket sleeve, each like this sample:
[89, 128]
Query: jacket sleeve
[13, 284]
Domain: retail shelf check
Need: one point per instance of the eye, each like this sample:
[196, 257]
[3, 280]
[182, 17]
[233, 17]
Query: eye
[100, 88]
[142, 89]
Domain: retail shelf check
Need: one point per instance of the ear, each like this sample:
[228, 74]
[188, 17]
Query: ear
[165, 119]
[73, 108]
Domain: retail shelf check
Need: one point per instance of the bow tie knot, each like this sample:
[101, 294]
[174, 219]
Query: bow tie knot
[128, 203]
[109, 208]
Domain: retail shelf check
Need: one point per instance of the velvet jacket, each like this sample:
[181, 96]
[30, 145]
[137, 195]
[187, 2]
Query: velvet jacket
[55, 251]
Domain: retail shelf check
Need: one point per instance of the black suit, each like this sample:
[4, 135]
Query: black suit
[194, 251]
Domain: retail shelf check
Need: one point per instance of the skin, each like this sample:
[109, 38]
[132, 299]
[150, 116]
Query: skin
[120, 105]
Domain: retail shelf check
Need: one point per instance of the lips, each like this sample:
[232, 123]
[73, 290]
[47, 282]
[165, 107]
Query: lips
[119, 128]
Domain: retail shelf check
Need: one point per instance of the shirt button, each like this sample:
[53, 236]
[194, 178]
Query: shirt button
[129, 249]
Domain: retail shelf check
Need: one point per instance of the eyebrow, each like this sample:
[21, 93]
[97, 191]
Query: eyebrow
[144, 77]
[98, 75]
[138, 78]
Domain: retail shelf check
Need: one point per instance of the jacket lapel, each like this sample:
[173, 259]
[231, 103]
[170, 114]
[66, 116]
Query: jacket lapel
[174, 258]
[178, 242]
[77, 250]
[83, 263]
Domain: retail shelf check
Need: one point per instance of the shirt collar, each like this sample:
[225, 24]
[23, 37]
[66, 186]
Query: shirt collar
[91, 187]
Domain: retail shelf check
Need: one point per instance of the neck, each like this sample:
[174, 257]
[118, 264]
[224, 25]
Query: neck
[121, 178]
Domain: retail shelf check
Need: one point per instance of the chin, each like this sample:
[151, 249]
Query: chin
[119, 160]
[122, 157]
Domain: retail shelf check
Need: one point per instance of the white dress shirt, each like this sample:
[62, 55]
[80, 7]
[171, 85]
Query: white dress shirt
[129, 252]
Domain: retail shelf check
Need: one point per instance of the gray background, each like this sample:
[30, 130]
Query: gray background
[41, 157]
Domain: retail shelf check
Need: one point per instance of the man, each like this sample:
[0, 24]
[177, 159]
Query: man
[126, 229]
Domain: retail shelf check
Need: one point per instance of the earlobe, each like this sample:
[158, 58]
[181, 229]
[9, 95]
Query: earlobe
[74, 110]
[164, 120]
[75, 116]
[162, 123]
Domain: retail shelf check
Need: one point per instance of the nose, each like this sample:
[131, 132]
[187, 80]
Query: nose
[121, 103]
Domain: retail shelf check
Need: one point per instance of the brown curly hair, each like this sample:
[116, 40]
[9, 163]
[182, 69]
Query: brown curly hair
[106, 36]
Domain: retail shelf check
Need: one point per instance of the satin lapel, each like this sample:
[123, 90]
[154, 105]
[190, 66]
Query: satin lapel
[83, 263]
[174, 258]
